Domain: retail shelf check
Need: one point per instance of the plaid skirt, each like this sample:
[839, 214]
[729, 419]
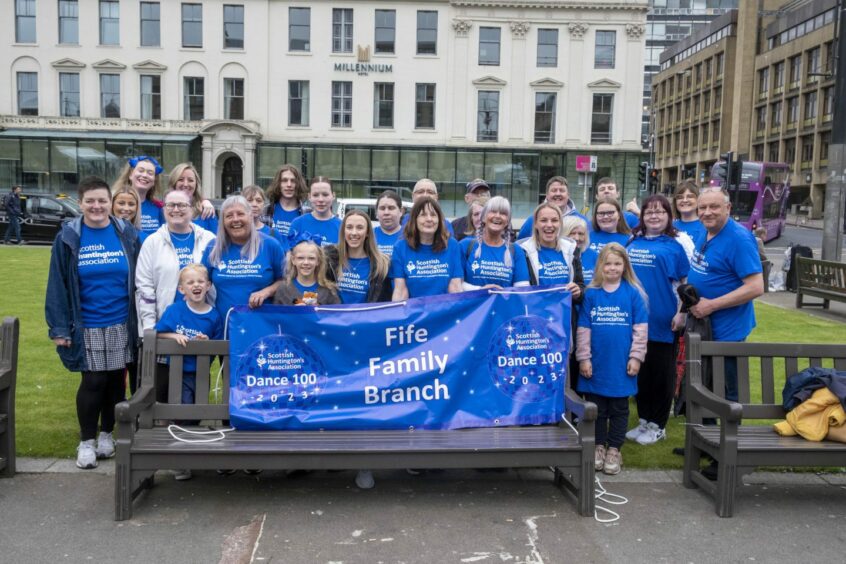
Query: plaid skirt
[107, 348]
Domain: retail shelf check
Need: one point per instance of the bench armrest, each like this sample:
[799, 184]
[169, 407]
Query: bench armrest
[584, 410]
[127, 411]
[727, 410]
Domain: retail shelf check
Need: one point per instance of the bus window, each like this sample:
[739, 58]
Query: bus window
[743, 202]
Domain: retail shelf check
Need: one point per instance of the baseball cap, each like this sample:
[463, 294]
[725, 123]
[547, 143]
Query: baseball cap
[477, 183]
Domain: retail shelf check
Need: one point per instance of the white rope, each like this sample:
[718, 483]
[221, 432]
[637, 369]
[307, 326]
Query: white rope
[221, 434]
[603, 495]
[368, 308]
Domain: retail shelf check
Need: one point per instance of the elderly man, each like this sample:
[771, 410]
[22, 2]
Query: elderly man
[477, 191]
[558, 194]
[426, 188]
[726, 272]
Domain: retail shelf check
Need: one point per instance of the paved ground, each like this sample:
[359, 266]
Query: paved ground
[456, 516]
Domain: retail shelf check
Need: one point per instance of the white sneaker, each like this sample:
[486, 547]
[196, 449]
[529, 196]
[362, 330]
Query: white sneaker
[364, 479]
[633, 434]
[105, 446]
[86, 456]
[652, 435]
[599, 457]
[613, 462]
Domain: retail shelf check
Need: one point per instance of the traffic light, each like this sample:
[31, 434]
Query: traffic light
[736, 173]
[641, 173]
[724, 173]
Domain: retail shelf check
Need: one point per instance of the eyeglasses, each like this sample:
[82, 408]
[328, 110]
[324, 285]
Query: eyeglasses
[606, 214]
[176, 205]
[648, 213]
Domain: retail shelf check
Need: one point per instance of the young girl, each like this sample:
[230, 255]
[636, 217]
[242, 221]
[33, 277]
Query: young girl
[286, 193]
[184, 177]
[321, 221]
[685, 198]
[389, 214]
[356, 264]
[611, 344]
[306, 282]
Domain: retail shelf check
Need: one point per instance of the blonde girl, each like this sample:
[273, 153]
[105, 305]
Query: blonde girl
[306, 282]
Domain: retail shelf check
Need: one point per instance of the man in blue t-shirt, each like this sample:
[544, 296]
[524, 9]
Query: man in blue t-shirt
[726, 272]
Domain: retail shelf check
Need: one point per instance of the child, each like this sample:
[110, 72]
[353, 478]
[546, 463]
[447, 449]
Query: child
[611, 345]
[321, 222]
[190, 319]
[305, 282]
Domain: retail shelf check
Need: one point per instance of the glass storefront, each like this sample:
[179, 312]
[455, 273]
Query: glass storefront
[520, 174]
[56, 165]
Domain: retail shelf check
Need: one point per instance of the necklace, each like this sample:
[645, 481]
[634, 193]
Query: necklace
[181, 238]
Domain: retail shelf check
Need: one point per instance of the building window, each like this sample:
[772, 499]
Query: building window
[807, 150]
[792, 111]
[763, 82]
[427, 32]
[790, 151]
[545, 117]
[773, 155]
[715, 131]
[810, 106]
[424, 106]
[110, 95]
[828, 103]
[719, 63]
[233, 98]
[383, 104]
[487, 128]
[547, 47]
[813, 64]
[829, 57]
[342, 31]
[233, 26]
[825, 141]
[109, 22]
[600, 123]
[150, 26]
[299, 29]
[706, 102]
[25, 21]
[604, 51]
[489, 45]
[761, 120]
[795, 71]
[707, 70]
[69, 22]
[27, 93]
[758, 151]
[386, 31]
[69, 94]
[151, 96]
[718, 98]
[194, 101]
[779, 77]
[775, 115]
[192, 25]
[298, 102]
[342, 103]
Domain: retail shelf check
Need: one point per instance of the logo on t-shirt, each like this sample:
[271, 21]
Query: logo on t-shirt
[608, 315]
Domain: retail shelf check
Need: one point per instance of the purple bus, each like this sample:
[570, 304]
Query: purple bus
[761, 198]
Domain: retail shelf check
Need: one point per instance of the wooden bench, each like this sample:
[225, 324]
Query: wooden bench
[9, 333]
[144, 444]
[736, 444]
[821, 279]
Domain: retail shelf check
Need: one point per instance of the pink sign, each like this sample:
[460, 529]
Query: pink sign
[585, 163]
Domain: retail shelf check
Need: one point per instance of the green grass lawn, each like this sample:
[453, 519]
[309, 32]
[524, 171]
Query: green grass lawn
[46, 392]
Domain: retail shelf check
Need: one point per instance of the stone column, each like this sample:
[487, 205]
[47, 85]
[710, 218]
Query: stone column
[209, 181]
[577, 128]
[517, 121]
[458, 123]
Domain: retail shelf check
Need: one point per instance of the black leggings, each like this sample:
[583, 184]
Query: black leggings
[656, 383]
[98, 394]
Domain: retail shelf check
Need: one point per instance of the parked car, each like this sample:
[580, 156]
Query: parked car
[43, 215]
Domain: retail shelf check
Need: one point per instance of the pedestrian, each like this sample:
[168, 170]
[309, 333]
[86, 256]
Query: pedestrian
[426, 261]
[611, 345]
[389, 212]
[91, 314]
[557, 194]
[477, 190]
[322, 221]
[660, 264]
[490, 259]
[14, 215]
[285, 196]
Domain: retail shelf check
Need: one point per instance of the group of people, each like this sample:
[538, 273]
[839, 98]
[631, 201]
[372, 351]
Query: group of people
[133, 262]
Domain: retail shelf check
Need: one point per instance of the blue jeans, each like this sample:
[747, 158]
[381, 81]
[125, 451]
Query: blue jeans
[731, 378]
[189, 387]
[14, 227]
[612, 419]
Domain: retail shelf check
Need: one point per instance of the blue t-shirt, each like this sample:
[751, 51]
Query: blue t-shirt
[209, 224]
[355, 281]
[303, 289]
[152, 217]
[490, 267]
[103, 277]
[179, 318]
[552, 267]
[693, 228]
[526, 228]
[599, 239]
[235, 278]
[426, 273]
[328, 229]
[183, 243]
[659, 263]
[447, 223]
[282, 218]
[282, 239]
[610, 316]
[589, 257]
[631, 219]
[719, 267]
[386, 242]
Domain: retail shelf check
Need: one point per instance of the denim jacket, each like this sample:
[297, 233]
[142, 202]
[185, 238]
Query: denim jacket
[62, 307]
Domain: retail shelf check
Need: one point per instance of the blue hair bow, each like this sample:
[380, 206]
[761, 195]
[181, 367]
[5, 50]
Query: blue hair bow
[305, 236]
[133, 162]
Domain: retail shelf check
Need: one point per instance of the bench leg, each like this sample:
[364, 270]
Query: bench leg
[798, 299]
[726, 487]
[825, 304]
[123, 492]
[587, 498]
[691, 460]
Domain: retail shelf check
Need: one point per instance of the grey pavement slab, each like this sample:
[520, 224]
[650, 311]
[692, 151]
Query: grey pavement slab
[455, 516]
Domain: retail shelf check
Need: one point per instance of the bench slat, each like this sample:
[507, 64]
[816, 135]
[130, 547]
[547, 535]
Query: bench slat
[743, 379]
[791, 366]
[174, 381]
[202, 391]
[767, 380]
[719, 371]
[763, 437]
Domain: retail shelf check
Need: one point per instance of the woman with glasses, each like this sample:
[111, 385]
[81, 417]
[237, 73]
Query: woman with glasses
[184, 177]
[609, 225]
[660, 264]
[685, 198]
